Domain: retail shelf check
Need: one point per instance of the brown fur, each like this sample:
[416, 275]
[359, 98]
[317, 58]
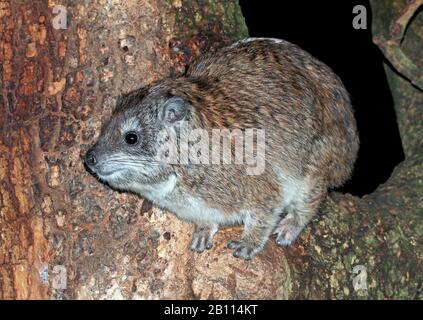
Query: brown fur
[311, 140]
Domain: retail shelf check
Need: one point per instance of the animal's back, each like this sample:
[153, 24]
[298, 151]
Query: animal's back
[299, 101]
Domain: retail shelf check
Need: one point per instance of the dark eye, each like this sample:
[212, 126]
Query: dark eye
[131, 138]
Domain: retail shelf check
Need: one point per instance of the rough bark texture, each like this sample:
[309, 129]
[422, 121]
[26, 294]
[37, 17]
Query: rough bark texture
[57, 86]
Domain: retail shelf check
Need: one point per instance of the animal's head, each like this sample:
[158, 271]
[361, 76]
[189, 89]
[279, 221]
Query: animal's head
[129, 149]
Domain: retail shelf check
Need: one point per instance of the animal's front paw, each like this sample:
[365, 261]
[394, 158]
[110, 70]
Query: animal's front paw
[287, 231]
[243, 249]
[202, 240]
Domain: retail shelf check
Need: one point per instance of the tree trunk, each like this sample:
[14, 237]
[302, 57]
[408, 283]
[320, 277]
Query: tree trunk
[63, 235]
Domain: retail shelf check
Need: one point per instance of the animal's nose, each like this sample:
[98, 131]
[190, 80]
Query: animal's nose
[90, 158]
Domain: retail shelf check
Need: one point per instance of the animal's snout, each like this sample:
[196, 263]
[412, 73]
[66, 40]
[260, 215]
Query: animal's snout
[91, 158]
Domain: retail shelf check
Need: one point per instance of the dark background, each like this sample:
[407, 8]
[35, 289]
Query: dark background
[324, 29]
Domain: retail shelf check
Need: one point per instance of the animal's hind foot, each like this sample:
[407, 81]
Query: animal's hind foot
[287, 231]
[202, 239]
[243, 249]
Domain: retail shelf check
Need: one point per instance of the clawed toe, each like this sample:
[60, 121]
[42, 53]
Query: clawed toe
[243, 250]
[233, 244]
[201, 241]
[283, 242]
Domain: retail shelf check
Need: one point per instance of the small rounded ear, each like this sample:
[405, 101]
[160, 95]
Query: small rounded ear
[173, 110]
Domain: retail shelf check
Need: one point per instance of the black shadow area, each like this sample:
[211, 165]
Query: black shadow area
[324, 29]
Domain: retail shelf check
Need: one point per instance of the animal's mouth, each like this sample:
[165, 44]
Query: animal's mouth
[105, 175]
[108, 174]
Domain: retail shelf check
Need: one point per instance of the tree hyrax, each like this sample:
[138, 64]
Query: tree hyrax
[304, 141]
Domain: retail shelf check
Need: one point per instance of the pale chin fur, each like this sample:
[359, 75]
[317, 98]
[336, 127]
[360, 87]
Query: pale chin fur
[113, 179]
[125, 180]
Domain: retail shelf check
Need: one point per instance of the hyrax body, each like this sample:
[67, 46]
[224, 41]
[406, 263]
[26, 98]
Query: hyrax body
[310, 142]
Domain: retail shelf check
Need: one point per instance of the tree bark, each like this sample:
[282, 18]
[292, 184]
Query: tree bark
[63, 235]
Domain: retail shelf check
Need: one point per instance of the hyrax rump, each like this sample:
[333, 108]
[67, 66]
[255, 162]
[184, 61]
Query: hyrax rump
[311, 142]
